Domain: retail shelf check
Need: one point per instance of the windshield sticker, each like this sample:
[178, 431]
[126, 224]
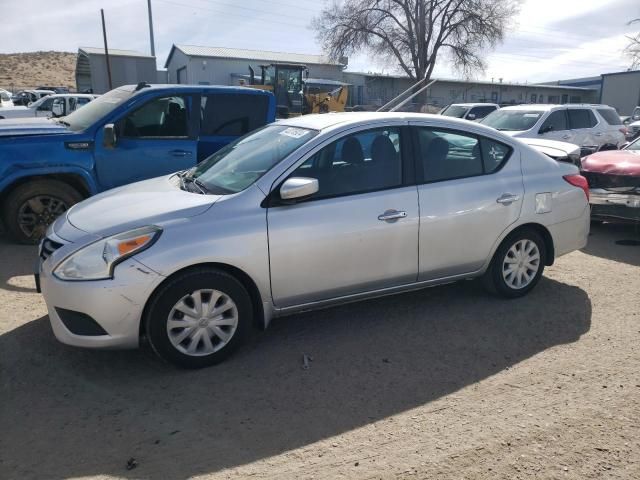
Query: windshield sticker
[294, 132]
[531, 115]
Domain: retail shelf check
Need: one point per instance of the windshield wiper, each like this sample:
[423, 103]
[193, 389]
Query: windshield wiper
[184, 179]
[58, 120]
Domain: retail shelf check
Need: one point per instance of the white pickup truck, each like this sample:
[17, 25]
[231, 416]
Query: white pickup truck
[57, 105]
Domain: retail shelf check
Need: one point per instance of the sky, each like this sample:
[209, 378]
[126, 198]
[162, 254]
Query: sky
[548, 40]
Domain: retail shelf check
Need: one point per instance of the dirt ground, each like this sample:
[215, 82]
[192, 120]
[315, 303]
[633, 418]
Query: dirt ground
[32, 69]
[445, 383]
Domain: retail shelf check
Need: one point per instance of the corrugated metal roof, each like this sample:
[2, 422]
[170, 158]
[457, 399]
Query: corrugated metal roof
[113, 51]
[261, 55]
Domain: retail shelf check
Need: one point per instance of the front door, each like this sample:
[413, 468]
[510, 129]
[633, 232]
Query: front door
[556, 127]
[358, 233]
[470, 191]
[153, 140]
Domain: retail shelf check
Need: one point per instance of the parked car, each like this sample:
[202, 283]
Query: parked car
[592, 127]
[5, 99]
[614, 183]
[304, 213]
[633, 130]
[55, 89]
[129, 134]
[56, 105]
[25, 97]
[469, 111]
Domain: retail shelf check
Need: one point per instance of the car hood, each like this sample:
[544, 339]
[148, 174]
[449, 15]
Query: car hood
[30, 126]
[613, 162]
[552, 148]
[150, 202]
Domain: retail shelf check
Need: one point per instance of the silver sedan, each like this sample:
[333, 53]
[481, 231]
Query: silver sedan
[301, 214]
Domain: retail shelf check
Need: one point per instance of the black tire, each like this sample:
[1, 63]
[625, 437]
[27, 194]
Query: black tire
[182, 286]
[493, 278]
[59, 195]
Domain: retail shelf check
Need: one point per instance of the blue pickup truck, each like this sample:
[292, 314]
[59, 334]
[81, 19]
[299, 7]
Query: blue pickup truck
[131, 133]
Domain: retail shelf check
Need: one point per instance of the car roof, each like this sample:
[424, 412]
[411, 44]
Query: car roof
[478, 104]
[322, 121]
[194, 88]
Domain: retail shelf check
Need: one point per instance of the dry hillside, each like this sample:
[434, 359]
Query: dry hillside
[32, 69]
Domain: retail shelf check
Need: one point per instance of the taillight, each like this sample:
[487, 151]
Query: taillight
[579, 181]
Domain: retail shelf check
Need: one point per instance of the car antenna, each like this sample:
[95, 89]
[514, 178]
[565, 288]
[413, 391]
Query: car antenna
[142, 85]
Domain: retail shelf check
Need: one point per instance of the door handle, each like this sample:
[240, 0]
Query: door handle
[566, 136]
[599, 134]
[391, 215]
[180, 153]
[507, 198]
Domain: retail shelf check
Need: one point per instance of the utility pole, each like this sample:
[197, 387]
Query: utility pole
[106, 49]
[153, 46]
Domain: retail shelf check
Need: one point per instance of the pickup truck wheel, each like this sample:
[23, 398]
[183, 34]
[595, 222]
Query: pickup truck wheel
[33, 206]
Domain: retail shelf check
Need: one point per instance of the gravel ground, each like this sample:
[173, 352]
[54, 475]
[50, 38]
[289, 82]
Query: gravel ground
[444, 383]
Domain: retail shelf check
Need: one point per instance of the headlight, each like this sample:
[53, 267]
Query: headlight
[97, 260]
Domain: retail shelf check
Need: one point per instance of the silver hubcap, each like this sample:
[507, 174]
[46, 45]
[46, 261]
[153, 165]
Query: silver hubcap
[521, 263]
[202, 322]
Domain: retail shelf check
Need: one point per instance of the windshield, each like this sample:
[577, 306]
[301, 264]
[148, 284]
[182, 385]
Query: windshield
[98, 108]
[244, 161]
[517, 120]
[634, 146]
[455, 111]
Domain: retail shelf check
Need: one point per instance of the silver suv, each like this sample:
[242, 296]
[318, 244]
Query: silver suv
[305, 213]
[591, 127]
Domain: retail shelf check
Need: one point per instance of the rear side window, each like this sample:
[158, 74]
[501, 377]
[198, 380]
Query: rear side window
[610, 116]
[581, 118]
[555, 122]
[232, 114]
[481, 112]
[448, 154]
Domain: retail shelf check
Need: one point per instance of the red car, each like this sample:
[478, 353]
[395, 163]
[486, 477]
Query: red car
[614, 183]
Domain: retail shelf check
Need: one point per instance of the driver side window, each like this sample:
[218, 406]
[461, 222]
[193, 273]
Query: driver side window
[165, 117]
[555, 122]
[358, 163]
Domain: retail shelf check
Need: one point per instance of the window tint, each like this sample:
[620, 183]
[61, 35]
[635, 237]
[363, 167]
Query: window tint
[360, 162]
[555, 122]
[82, 101]
[610, 116]
[232, 115]
[46, 105]
[581, 118]
[161, 117]
[481, 112]
[445, 155]
[494, 154]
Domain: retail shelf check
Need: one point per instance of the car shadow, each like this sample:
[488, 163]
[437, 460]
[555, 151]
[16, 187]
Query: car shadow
[70, 412]
[615, 241]
[16, 261]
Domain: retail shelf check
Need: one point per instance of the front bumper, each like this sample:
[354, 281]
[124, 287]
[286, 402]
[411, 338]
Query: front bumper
[115, 305]
[607, 204]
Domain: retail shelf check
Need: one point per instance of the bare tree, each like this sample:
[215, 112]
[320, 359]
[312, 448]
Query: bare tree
[633, 49]
[413, 33]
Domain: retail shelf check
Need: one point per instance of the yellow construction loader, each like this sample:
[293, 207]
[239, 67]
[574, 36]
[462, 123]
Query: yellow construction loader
[295, 94]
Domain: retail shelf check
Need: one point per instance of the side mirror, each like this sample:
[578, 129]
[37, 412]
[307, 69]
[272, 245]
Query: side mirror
[546, 129]
[109, 140]
[57, 110]
[297, 188]
[471, 116]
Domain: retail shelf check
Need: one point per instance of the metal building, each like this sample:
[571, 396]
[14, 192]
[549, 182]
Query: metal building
[621, 90]
[195, 65]
[127, 67]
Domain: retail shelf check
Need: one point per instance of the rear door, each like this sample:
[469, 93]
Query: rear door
[358, 233]
[478, 113]
[470, 190]
[582, 122]
[225, 117]
[155, 139]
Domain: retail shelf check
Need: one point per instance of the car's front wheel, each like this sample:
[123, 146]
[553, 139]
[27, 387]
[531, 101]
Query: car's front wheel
[198, 318]
[517, 264]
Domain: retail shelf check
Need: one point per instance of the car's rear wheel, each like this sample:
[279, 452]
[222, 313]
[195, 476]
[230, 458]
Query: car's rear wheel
[31, 207]
[198, 318]
[517, 265]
